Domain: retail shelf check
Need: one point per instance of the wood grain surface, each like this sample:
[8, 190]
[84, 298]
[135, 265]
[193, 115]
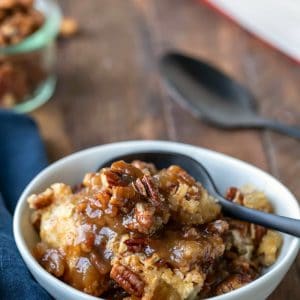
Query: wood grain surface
[109, 87]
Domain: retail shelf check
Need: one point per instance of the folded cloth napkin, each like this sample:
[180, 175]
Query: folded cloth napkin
[22, 156]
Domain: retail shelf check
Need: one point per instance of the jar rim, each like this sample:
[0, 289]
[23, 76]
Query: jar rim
[43, 35]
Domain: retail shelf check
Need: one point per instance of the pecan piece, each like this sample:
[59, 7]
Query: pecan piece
[191, 233]
[68, 28]
[146, 168]
[139, 187]
[181, 175]
[142, 220]
[121, 167]
[233, 282]
[241, 226]
[152, 190]
[217, 227]
[41, 200]
[77, 188]
[110, 178]
[123, 197]
[92, 180]
[136, 244]
[147, 188]
[233, 194]
[128, 280]
[103, 197]
[145, 216]
[257, 233]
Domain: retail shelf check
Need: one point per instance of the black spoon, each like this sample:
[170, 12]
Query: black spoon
[215, 97]
[164, 159]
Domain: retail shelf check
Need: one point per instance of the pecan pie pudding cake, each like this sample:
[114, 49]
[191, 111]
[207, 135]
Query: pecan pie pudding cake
[134, 232]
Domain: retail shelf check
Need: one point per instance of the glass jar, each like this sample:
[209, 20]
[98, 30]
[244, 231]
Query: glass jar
[27, 69]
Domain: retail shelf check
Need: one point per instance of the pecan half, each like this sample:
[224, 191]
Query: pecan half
[147, 188]
[136, 244]
[139, 187]
[121, 167]
[128, 280]
[110, 178]
[142, 220]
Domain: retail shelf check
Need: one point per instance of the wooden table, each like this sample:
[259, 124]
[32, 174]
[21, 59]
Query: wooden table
[109, 87]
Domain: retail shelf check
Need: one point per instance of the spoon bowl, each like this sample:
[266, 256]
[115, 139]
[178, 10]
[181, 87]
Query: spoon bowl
[162, 159]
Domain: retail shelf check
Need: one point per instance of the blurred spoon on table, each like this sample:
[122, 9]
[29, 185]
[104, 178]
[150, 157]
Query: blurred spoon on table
[214, 96]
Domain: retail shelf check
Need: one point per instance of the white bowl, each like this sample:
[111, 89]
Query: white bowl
[225, 170]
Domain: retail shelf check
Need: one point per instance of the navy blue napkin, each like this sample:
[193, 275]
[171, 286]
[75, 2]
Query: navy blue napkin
[22, 156]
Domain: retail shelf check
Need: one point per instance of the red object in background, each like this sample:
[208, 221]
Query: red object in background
[268, 42]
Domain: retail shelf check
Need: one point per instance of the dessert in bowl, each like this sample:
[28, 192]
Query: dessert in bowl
[170, 240]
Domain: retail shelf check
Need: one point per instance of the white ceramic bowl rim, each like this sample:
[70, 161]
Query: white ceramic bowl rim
[146, 145]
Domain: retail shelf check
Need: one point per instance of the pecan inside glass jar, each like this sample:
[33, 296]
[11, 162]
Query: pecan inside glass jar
[18, 20]
[25, 65]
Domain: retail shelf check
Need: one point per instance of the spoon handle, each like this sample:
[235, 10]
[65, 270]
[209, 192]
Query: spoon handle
[281, 128]
[283, 224]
